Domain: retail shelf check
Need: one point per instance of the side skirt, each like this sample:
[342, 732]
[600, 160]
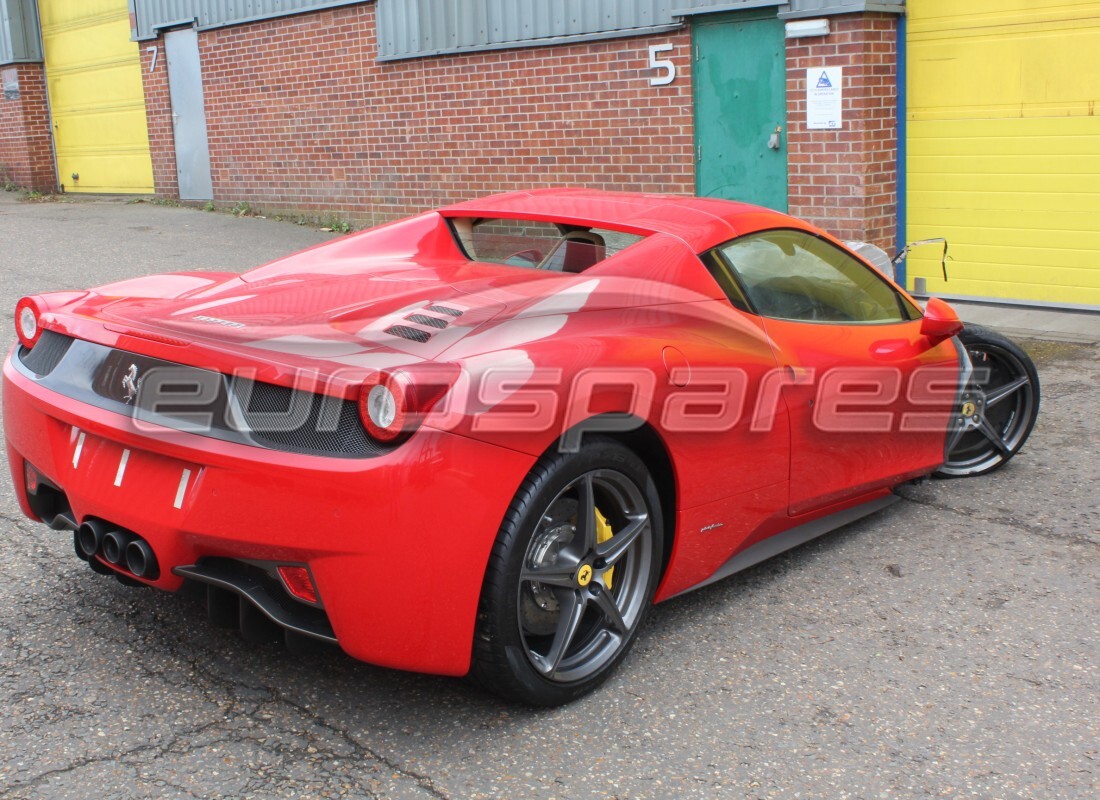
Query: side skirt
[781, 542]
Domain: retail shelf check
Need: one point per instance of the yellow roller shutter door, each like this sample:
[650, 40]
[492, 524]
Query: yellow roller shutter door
[97, 103]
[1003, 147]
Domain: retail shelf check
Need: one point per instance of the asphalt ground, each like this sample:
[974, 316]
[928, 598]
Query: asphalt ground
[948, 646]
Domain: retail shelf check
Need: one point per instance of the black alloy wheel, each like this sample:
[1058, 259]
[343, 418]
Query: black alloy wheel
[571, 576]
[998, 406]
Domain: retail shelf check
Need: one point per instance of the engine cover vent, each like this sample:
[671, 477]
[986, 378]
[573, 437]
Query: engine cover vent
[412, 334]
[429, 322]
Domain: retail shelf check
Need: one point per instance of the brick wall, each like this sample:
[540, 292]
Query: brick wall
[846, 180]
[26, 151]
[158, 114]
[301, 116]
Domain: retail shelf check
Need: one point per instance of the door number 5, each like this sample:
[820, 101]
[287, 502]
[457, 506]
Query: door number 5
[663, 64]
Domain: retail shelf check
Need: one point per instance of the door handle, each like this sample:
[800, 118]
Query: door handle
[773, 140]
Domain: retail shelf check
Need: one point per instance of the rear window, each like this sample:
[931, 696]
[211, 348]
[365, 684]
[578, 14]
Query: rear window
[538, 245]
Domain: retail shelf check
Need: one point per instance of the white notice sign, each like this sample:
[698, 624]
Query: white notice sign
[824, 97]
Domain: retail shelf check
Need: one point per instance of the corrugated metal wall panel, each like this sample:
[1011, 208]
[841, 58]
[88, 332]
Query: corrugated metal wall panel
[410, 28]
[214, 13]
[794, 8]
[6, 49]
[19, 37]
[707, 6]
[827, 8]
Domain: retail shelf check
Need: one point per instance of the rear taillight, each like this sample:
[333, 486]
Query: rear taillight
[393, 404]
[383, 406]
[27, 322]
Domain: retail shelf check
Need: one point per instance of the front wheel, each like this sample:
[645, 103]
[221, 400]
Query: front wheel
[571, 576]
[998, 407]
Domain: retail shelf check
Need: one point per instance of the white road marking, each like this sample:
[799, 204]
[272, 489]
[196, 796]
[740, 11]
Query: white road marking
[184, 478]
[122, 467]
[79, 450]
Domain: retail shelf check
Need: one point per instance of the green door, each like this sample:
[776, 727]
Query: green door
[740, 81]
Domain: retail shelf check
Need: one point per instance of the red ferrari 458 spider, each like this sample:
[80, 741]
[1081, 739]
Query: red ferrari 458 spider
[485, 439]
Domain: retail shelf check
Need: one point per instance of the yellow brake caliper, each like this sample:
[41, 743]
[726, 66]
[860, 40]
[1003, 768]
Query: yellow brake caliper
[603, 533]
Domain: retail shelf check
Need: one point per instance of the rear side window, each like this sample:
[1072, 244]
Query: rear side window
[794, 275]
[538, 245]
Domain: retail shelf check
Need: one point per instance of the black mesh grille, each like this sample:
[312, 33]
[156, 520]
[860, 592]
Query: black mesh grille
[317, 423]
[451, 312]
[430, 322]
[199, 401]
[412, 334]
[47, 353]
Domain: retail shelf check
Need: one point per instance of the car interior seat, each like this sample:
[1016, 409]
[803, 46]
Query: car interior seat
[576, 252]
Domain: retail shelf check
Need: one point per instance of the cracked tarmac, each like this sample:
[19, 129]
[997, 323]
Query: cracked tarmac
[948, 646]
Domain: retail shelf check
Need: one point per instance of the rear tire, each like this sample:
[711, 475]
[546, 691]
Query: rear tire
[571, 577]
[999, 405]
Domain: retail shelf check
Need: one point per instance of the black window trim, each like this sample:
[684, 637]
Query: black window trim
[716, 254]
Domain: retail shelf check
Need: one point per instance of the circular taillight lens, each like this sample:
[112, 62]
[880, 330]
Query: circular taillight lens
[26, 322]
[383, 407]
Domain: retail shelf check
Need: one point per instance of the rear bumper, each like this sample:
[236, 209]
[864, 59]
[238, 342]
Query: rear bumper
[397, 544]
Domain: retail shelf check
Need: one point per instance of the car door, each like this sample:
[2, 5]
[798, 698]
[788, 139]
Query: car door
[867, 395]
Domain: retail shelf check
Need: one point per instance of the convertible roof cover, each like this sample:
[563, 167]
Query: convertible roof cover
[700, 222]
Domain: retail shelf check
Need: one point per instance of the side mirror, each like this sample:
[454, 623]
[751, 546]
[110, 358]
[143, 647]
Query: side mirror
[940, 321]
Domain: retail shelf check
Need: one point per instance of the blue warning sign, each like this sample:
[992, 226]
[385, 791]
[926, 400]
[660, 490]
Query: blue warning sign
[823, 82]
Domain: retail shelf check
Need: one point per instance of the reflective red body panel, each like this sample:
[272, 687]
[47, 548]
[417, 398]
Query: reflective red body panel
[397, 543]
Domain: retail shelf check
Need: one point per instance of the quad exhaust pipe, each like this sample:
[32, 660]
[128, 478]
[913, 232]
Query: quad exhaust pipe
[89, 538]
[114, 547]
[141, 560]
[96, 539]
